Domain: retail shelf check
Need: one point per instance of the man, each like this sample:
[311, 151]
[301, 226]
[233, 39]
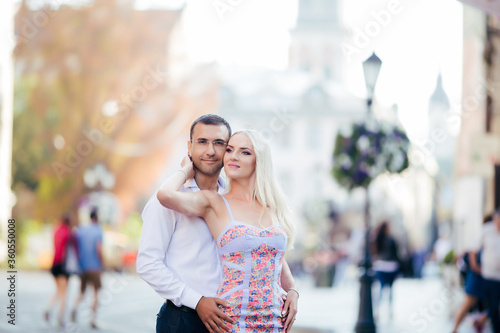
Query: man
[490, 267]
[177, 254]
[91, 263]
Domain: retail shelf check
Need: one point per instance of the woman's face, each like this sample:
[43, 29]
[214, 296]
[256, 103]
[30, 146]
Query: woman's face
[239, 160]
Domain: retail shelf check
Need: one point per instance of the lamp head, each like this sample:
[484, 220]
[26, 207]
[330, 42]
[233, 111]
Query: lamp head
[371, 68]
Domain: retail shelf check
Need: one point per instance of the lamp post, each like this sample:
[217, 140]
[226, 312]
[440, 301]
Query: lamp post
[371, 68]
[99, 180]
[365, 323]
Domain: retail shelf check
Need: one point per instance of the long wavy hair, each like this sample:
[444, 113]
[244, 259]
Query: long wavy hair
[267, 190]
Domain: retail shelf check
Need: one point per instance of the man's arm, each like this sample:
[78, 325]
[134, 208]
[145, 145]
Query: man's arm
[157, 230]
[98, 247]
[290, 306]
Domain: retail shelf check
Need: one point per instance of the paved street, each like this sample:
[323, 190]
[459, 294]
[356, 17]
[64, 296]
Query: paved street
[129, 305]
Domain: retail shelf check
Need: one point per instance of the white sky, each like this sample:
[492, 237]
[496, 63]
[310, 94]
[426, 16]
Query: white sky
[254, 33]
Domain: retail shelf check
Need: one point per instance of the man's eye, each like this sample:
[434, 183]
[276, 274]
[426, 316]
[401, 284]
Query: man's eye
[219, 143]
[202, 142]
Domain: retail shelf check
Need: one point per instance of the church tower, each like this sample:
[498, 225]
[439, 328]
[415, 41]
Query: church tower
[316, 40]
[439, 134]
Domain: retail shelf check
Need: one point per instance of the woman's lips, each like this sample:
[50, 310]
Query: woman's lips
[233, 166]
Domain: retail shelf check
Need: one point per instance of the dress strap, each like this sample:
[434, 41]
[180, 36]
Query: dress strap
[228, 208]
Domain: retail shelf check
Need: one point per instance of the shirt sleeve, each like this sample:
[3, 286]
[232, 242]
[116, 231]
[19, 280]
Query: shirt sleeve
[157, 230]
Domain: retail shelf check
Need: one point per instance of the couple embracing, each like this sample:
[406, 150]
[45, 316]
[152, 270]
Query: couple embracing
[215, 252]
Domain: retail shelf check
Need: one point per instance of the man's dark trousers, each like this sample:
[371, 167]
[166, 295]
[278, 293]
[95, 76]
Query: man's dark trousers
[173, 319]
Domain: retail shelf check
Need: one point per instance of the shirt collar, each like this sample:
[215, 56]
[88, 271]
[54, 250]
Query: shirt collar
[191, 184]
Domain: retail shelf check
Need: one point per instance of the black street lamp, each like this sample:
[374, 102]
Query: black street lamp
[366, 323]
[371, 68]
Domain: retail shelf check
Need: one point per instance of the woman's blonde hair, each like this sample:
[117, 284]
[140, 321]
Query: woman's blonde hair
[267, 190]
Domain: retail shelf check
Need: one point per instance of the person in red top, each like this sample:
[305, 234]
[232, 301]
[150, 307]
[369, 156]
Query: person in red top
[62, 238]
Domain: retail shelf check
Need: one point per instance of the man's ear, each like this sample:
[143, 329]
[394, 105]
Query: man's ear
[190, 145]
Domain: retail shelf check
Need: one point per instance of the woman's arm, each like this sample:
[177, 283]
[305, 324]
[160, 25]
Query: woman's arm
[188, 203]
[290, 306]
[473, 262]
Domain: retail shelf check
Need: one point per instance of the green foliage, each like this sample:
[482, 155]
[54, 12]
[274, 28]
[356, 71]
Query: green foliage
[449, 258]
[132, 228]
[30, 148]
[25, 227]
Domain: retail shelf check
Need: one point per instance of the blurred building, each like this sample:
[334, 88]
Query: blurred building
[478, 148]
[441, 145]
[316, 39]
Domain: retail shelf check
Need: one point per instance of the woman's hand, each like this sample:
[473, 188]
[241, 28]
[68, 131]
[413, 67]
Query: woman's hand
[289, 310]
[188, 167]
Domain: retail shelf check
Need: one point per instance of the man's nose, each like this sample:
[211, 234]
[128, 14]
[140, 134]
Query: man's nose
[210, 149]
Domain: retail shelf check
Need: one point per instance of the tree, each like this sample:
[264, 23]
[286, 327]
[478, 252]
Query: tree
[92, 85]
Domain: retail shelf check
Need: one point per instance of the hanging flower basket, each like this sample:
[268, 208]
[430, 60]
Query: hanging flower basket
[365, 150]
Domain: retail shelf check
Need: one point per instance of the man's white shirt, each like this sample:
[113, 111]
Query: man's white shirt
[177, 254]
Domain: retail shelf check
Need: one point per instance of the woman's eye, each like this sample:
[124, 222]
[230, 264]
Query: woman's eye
[228, 150]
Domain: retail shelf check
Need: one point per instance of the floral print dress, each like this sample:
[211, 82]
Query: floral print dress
[251, 260]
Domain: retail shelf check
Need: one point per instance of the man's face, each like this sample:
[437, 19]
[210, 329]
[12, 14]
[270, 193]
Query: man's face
[206, 156]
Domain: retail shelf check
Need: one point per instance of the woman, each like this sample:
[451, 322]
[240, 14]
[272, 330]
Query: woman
[63, 238]
[473, 292]
[386, 264]
[252, 229]
[474, 285]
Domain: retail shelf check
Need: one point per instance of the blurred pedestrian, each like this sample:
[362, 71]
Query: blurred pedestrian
[474, 287]
[474, 291]
[386, 264]
[91, 263]
[490, 267]
[63, 239]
